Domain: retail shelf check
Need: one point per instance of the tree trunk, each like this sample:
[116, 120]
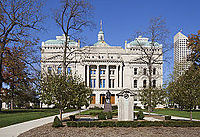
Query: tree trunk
[11, 104]
[61, 115]
[190, 115]
[1, 76]
[65, 52]
[150, 85]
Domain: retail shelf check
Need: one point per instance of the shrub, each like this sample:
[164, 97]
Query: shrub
[137, 107]
[114, 107]
[109, 115]
[133, 123]
[108, 124]
[140, 115]
[71, 124]
[167, 117]
[102, 116]
[57, 122]
[72, 117]
[95, 123]
[83, 124]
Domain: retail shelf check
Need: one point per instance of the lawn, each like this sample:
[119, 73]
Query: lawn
[8, 117]
[88, 112]
[171, 112]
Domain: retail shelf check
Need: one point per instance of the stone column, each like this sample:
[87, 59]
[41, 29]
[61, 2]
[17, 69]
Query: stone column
[97, 77]
[84, 75]
[122, 72]
[88, 75]
[120, 77]
[116, 76]
[107, 77]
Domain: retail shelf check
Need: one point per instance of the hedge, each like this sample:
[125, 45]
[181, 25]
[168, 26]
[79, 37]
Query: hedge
[133, 123]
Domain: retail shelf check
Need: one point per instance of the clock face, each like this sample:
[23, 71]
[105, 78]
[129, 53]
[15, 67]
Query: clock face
[126, 96]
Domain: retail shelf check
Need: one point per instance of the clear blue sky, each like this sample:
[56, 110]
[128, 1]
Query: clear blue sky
[122, 17]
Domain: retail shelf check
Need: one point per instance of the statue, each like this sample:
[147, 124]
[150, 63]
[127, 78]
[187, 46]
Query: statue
[107, 105]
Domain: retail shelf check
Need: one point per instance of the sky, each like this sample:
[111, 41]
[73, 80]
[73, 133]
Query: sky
[121, 18]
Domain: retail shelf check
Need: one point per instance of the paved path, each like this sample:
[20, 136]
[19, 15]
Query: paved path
[17, 129]
[172, 117]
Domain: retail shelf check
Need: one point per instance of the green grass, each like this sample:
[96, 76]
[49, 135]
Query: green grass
[9, 117]
[88, 112]
[171, 112]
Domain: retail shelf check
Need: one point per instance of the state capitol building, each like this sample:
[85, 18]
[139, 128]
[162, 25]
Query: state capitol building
[103, 67]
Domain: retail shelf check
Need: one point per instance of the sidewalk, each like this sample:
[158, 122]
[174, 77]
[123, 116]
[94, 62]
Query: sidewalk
[17, 129]
[173, 117]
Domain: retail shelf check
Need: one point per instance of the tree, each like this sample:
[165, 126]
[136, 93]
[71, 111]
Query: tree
[81, 96]
[72, 17]
[15, 74]
[63, 91]
[185, 91]
[18, 19]
[157, 32]
[158, 96]
[194, 45]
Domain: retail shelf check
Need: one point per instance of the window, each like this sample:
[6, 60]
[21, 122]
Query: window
[93, 96]
[135, 83]
[68, 70]
[49, 69]
[102, 83]
[144, 71]
[135, 71]
[112, 99]
[92, 72]
[154, 83]
[59, 70]
[154, 71]
[112, 72]
[102, 71]
[92, 83]
[144, 83]
[102, 98]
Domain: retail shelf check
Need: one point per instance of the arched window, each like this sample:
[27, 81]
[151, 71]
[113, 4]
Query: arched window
[144, 83]
[135, 83]
[154, 83]
[144, 71]
[154, 71]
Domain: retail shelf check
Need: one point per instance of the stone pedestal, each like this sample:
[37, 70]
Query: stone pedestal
[125, 105]
[107, 105]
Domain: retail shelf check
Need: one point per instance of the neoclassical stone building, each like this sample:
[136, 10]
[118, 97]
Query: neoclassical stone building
[104, 67]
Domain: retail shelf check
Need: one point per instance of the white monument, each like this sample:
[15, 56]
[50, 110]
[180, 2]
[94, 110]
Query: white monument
[126, 105]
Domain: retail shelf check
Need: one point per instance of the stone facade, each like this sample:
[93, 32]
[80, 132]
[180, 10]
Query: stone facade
[104, 67]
